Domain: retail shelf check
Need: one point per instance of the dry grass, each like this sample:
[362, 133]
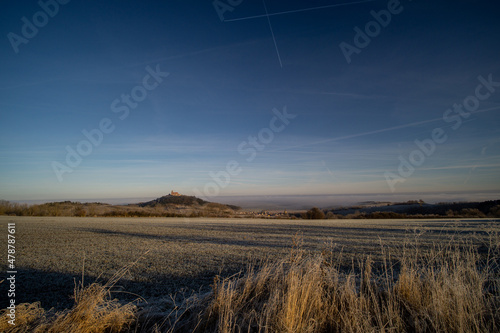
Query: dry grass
[447, 289]
[410, 287]
[94, 311]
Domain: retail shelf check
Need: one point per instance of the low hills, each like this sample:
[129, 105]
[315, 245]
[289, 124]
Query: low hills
[417, 209]
[176, 205]
[166, 206]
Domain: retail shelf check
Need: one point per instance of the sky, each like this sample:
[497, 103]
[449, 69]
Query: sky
[129, 99]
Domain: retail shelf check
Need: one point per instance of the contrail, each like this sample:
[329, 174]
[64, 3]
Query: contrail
[299, 10]
[383, 130]
[272, 33]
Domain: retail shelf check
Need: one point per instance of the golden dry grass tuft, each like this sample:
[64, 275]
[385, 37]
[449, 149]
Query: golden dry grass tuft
[29, 316]
[447, 289]
[94, 311]
[450, 288]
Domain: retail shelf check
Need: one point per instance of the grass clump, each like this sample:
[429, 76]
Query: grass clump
[94, 311]
[449, 288]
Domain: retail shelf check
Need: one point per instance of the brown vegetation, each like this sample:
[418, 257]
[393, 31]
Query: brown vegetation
[175, 206]
[415, 210]
[190, 206]
[314, 214]
[449, 289]
[94, 311]
[453, 288]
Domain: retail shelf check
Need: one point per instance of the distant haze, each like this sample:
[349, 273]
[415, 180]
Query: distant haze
[298, 202]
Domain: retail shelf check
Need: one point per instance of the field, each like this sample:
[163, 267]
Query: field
[167, 256]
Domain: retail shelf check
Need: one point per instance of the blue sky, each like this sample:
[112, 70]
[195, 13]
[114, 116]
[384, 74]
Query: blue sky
[351, 121]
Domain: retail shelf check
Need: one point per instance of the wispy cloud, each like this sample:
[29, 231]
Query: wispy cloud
[383, 130]
[299, 10]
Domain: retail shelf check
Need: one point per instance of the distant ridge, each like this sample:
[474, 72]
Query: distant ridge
[184, 200]
[174, 200]
[172, 205]
[419, 207]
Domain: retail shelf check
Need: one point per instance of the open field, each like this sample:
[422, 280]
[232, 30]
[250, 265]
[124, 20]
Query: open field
[174, 254]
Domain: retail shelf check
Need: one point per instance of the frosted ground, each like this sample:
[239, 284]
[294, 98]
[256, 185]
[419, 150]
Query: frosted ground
[184, 255]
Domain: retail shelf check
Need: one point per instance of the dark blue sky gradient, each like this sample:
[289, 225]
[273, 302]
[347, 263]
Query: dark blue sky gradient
[354, 121]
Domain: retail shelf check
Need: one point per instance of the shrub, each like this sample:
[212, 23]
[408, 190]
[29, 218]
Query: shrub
[471, 212]
[314, 214]
[94, 312]
[80, 211]
[385, 215]
[495, 211]
[333, 216]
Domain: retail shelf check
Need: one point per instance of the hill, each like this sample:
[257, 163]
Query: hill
[418, 208]
[185, 201]
[174, 200]
[166, 206]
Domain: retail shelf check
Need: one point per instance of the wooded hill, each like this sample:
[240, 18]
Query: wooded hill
[417, 209]
[166, 206]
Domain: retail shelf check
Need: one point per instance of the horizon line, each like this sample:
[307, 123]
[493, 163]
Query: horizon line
[126, 200]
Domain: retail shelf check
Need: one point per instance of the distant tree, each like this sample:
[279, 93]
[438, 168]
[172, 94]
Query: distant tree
[332, 216]
[356, 215]
[450, 213]
[495, 211]
[4, 206]
[471, 212]
[315, 214]
[92, 210]
[384, 215]
[80, 212]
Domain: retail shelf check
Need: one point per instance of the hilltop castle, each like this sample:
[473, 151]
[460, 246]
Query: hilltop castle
[175, 194]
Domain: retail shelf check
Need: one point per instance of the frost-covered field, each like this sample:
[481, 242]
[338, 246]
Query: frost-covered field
[173, 254]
